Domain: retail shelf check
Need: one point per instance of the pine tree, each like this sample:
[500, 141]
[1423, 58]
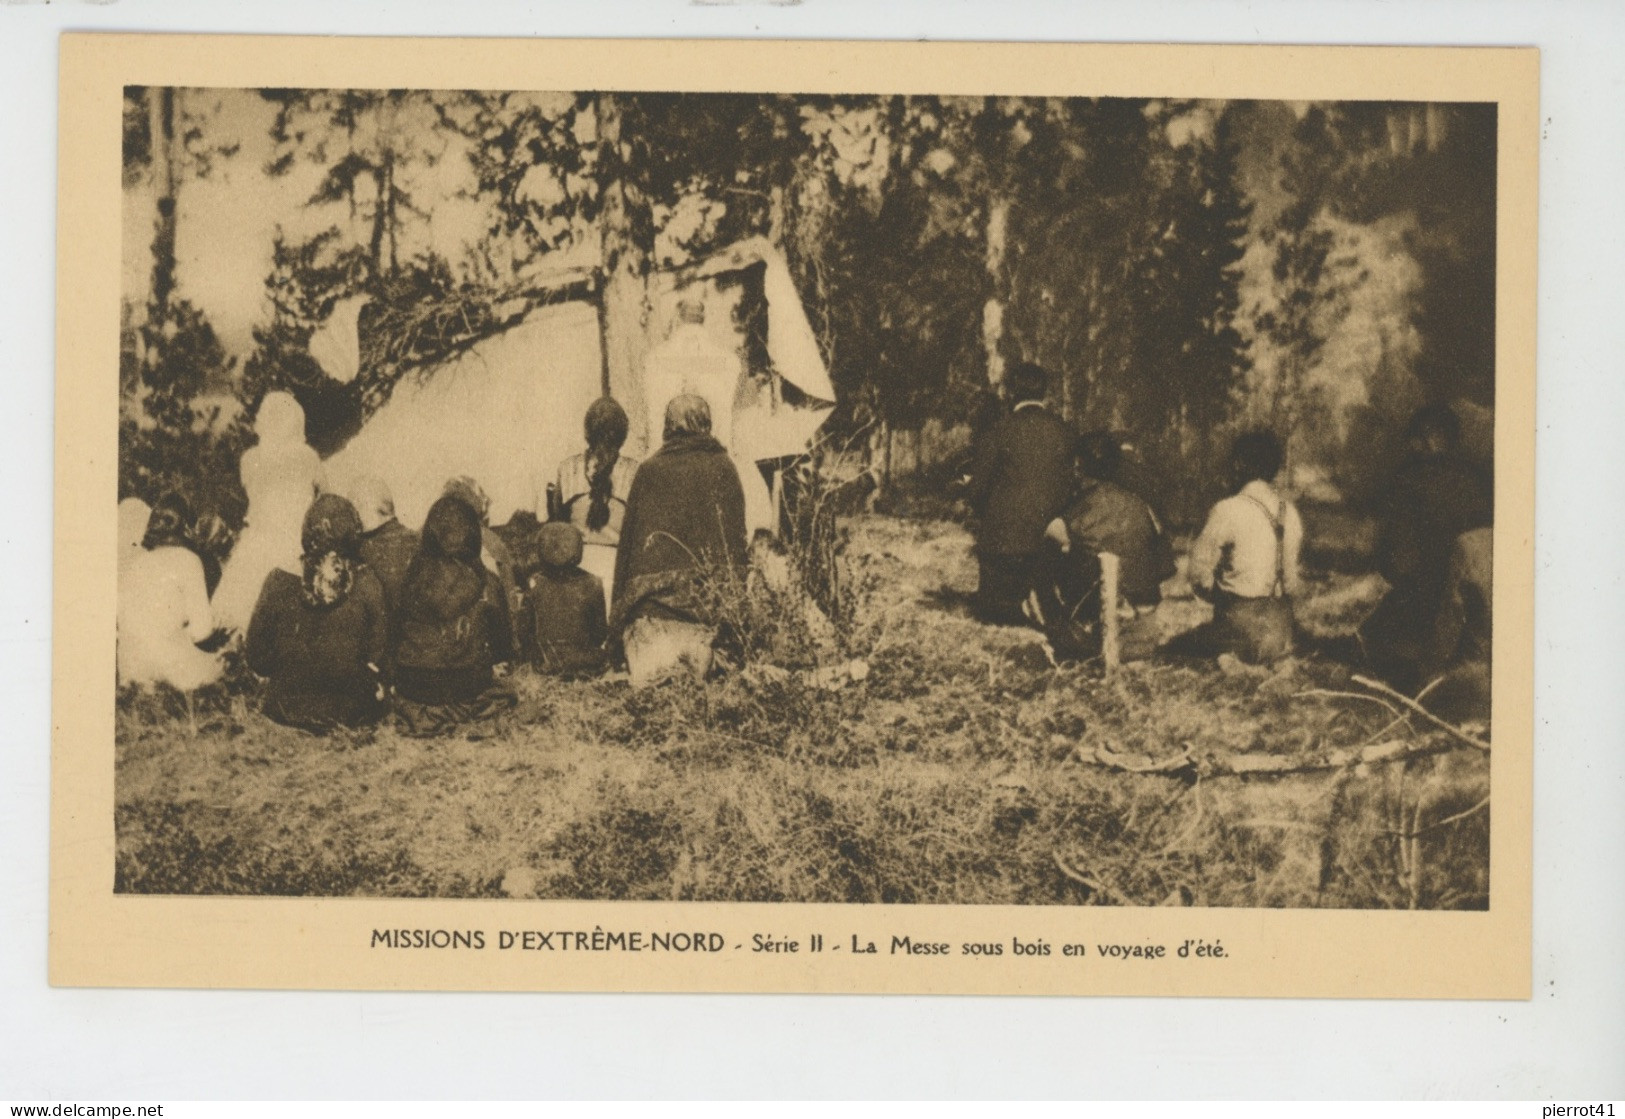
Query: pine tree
[1219, 231]
[380, 137]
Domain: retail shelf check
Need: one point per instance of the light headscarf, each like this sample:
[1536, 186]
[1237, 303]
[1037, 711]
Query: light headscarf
[280, 419]
[373, 502]
[471, 493]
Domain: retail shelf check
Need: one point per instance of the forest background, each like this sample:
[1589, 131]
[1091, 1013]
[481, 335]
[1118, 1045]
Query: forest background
[1187, 269]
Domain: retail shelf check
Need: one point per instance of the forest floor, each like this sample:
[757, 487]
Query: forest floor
[957, 771]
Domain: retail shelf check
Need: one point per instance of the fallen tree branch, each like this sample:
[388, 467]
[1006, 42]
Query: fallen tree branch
[1437, 824]
[1088, 882]
[1328, 693]
[1265, 765]
[1138, 763]
[1411, 705]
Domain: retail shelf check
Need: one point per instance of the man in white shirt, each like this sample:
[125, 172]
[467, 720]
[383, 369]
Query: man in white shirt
[1245, 562]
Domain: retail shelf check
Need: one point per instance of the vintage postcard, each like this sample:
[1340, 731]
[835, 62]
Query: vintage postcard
[816, 516]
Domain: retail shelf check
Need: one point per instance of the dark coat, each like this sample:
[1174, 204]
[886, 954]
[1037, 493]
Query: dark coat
[564, 626]
[450, 660]
[388, 550]
[685, 524]
[322, 663]
[1021, 481]
[1105, 517]
[1430, 502]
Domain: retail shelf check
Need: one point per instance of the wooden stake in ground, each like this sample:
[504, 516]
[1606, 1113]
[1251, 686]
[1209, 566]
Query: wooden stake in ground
[1110, 645]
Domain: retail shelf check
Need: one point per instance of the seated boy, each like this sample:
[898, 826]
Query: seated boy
[564, 625]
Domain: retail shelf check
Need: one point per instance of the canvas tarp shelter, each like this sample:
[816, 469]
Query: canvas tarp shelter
[509, 408]
[504, 412]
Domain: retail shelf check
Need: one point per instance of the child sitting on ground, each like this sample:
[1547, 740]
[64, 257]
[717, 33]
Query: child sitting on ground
[564, 626]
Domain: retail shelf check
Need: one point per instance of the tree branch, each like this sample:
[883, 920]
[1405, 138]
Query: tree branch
[1264, 765]
[1411, 705]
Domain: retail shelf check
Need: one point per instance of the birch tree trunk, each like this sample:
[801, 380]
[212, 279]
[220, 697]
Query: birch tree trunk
[998, 222]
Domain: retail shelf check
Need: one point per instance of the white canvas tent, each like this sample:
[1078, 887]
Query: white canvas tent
[503, 412]
[509, 408]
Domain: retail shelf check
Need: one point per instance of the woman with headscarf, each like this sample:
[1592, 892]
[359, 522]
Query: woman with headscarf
[281, 474]
[321, 636]
[591, 489]
[163, 606]
[494, 551]
[453, 628]
[682, 545]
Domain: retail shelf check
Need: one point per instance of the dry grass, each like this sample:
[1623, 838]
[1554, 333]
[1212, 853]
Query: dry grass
[948, 775]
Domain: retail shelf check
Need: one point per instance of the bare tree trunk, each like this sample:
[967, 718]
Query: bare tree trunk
[888, 435]
[998, 222]
[623, 314]
[161, 110]
[375, 244]
[776, 215]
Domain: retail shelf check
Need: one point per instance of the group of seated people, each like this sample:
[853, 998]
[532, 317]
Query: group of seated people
[1048, 504]
[369, 616]
[354, 615]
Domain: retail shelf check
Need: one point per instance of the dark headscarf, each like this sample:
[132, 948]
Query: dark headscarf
[446, 577]
[606, 432]
[331, 541]
[170, 524]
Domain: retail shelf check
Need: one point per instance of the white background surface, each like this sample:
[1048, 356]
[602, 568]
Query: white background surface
[1568, 1042]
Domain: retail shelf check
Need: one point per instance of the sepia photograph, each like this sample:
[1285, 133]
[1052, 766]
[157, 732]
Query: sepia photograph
[771, 498]
[894, 499]
[774, 550]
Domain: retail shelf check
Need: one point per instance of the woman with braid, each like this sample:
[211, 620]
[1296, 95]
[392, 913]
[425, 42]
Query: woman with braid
[591, 489]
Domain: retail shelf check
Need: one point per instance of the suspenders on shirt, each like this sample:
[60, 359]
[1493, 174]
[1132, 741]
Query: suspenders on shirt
[1278, 523]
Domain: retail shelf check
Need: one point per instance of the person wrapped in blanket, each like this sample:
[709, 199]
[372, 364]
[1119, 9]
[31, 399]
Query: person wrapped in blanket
[321, 636]
[453, 628]
[1103, 517]
[682, 545]
[166, 629]
[1245, 562]
[494, 551]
